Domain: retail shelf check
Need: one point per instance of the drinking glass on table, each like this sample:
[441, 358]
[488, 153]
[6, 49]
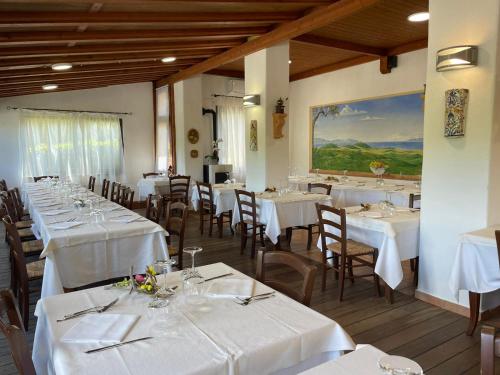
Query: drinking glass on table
[192, 272]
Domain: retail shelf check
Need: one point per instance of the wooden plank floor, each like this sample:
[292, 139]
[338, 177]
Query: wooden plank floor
[433, 337]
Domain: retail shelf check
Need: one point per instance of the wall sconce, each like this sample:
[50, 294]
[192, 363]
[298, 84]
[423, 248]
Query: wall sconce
[251, 100]
[456, 57]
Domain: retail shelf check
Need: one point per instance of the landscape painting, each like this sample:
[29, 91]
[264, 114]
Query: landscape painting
[348, 136]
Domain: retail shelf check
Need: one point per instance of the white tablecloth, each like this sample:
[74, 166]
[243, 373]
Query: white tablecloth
[396, 239]
[273, 336]
[92, 252]
[357, 191]
[223, 195]
[476, 268]
[153, 185]
[280, 212]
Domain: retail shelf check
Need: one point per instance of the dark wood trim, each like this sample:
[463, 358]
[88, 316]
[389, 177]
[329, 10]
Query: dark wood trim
[314, 2]
[340, 44]
[171, 124]
[227, 73]
[332, 67]
[408, 47]
[317, 18]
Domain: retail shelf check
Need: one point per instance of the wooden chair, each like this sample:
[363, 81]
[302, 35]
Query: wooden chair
[294, 261]
[175, 225]
[490, 348]
[179, 189]
[19, 203]
[126, 197]
[207, 207]
[347, 250]
[144, 175]
[24, 272]
[3, 185]
[414, 263]
[154, 208]
[413, 199]
[38, 178]
[325, 189]
[247, 208]
[23, 226]
[115, 192]
[91, 185]
[105, 188]
[12, 327]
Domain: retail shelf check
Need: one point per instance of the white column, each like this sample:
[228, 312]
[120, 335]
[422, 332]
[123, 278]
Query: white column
[460, 191]
[267, 74]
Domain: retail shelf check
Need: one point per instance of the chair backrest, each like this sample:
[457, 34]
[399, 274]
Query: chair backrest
[294, 261]
[8, 205]
[126, 197]
[205, 193]
[246, 205]
[16, 200]
[175, 223]
[91, 185]
[325, 187]
[17, 253]
[490, 348]
[105, 188]
[179, 187]
[335, 219]
[413, 199]
[154, 208]
[38, 178]
[3, 185]
[12, 327]
[144, 175]
[115, 192]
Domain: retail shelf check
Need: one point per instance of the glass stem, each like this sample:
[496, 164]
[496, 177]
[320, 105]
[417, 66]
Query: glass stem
[192, 262]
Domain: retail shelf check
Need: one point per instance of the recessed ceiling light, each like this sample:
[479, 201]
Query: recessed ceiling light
[289, 61]
[62, 66]
[168, 59]
[49, 86]
[419, 17]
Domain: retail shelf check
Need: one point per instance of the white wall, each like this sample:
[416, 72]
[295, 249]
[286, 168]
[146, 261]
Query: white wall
[358, 82]
[138, 128]
[457, 183]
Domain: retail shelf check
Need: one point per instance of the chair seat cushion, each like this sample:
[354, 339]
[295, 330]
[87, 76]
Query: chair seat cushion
[32, 247]
[23, 224]
[353, 248]
[25, 233]
[35, 269]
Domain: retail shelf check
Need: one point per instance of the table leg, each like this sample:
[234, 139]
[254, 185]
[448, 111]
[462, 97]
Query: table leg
[474, 300]
[389, 295]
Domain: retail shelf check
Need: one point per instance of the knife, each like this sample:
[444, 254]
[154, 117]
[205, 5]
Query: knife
[218, 277]
[117, 345]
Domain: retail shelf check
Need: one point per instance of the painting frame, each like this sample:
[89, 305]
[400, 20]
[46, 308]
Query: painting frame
[356, 173]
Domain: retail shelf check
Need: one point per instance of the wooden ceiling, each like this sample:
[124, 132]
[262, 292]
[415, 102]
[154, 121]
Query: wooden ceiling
[122, 41]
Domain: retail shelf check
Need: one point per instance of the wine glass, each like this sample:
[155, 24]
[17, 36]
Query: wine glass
[164, 264]
[193, 272]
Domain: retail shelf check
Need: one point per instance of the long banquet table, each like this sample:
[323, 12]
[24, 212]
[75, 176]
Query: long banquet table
[279, 212]
[356, 191]
[396, 238]
[92, 251]
[273, 336]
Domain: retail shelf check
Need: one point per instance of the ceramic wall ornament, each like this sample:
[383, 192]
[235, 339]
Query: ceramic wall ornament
[455, 112]
[194, 154]
[253, 135]
[193, 136]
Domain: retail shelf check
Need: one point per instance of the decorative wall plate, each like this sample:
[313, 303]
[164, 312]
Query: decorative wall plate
[194, 154]
[193, 136]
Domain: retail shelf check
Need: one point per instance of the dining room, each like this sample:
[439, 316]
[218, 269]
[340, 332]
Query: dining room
[249, 187]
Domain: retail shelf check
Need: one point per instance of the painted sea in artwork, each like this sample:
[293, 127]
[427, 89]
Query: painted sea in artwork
[348, 136]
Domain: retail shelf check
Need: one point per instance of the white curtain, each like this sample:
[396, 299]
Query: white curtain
[74, 145]
[231, 129]
[162, 136]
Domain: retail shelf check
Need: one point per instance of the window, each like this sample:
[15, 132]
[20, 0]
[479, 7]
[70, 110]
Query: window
[162, 126]
[74, 145]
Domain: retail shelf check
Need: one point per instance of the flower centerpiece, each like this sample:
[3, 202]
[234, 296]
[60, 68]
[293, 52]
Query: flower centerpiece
[148, 283]
[378, 169]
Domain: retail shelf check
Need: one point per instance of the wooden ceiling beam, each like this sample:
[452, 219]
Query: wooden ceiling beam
[39, 37]
[109, 18]
[317, 18]
[227, 73]
[341, 44]
[11, 52]
[332, 67]
[31, 62]
[11, 73]
[313, 2]
[408, 47]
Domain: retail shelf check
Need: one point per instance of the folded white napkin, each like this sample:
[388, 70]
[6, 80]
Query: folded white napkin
[371, 214]
[66, 225]
[125, 219]
[352, 210]
[101, 328]
[224, 288]
[55, 212]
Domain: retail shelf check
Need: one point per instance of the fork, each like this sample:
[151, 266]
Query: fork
[244, 302]
[97, 309]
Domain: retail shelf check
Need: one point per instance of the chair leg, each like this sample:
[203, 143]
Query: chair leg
[342, 277]
[351, 273]
[26, 309]
[254, 241]
[220, 220]
[323, 278]
[309, 236]
[289, 232]
[412, 265]
[231, 221]
[336, 266]
[201, 220]
[415, 272]
[243, 238]
[210, 228]
[261, 233]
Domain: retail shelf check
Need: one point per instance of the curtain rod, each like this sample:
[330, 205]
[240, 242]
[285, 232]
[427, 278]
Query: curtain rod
[70, 110]
[227, 96]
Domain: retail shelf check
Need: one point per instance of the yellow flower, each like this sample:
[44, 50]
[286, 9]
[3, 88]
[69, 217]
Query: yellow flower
[149, 288]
